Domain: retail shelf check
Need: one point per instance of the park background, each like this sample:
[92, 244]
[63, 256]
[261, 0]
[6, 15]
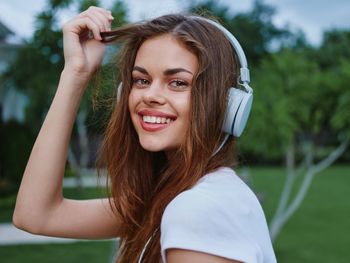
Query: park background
[294, 153]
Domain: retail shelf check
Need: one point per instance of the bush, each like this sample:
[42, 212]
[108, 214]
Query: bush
[16, 141]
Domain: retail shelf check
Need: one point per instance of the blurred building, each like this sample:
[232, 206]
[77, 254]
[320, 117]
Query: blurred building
[12, 101]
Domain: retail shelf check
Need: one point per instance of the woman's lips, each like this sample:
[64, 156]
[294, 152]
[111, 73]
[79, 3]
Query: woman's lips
[151, 126]
[148, 112]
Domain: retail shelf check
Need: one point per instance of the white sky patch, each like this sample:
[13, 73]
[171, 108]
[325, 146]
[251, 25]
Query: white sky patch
[19, 16]
[312, 16]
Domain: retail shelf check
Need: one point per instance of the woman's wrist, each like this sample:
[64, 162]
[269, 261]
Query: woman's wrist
[73, 81]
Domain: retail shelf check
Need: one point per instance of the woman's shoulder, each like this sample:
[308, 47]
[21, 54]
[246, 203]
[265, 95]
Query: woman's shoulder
[222, 210]
[218, 199]
[220, 190]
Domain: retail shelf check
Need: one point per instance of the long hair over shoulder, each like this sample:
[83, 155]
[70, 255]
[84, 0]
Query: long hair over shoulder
[143, 183]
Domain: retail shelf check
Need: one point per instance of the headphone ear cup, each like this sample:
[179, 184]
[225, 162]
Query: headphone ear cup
[237, 112]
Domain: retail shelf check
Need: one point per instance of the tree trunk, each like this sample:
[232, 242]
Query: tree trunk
[275, 224]
[284, 211]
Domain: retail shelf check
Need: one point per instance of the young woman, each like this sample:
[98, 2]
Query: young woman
[174, 196]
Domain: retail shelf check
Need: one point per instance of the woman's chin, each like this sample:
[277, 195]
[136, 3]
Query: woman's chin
[150, 146]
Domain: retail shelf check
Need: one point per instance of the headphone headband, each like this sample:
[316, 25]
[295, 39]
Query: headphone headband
[244, 70]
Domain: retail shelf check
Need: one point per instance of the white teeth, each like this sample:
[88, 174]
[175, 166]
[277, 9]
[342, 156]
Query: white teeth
[154, 119]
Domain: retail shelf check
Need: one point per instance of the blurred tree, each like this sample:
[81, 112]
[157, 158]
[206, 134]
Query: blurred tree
[254, 29]
[16, 141]
[334, 48]
[297, 89]
[293, 115]
[36, 72]
[341, 113]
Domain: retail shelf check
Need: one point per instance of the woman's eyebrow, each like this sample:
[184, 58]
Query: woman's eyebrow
[173, 71]
[166, 72]
[140, 69]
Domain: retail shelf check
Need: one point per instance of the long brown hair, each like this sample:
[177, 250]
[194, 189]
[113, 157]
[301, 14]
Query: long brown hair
[143, 183]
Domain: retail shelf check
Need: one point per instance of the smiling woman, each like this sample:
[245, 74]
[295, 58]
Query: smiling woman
[160, 105]
[168, 147]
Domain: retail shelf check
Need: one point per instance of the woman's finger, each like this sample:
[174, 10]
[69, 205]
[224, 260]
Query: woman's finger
[99, 19]
[94, 19]
[103, 11]
[86, 22]
[107, 14]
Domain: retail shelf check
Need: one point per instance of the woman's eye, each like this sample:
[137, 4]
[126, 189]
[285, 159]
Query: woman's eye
[141, 82]
[179, 84]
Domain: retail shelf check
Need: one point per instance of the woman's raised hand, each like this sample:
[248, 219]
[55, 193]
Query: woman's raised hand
[83, 49]
[49, 213]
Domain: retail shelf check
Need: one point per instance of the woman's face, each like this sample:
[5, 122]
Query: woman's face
[159, 101]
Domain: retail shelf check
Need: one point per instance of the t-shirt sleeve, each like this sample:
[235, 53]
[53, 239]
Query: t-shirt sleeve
[198, 222]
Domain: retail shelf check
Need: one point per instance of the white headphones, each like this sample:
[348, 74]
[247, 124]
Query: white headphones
[239, 101]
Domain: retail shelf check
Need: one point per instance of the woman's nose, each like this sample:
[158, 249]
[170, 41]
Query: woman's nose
[154, 93]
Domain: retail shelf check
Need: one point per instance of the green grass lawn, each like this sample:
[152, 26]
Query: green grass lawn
[318, 232]
[88, 252]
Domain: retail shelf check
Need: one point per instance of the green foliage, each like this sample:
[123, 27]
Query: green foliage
[36, 71]
[59, 3]
[120, 13]
[334, 48]
[7, 206]
[254, 29]
[286, 87]
[37, 67]
[16, 143]
[341, 114]
[297, 88]
[85, 4]
[334, 59]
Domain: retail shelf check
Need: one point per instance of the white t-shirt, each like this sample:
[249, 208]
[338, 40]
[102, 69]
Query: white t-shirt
[221, 216]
